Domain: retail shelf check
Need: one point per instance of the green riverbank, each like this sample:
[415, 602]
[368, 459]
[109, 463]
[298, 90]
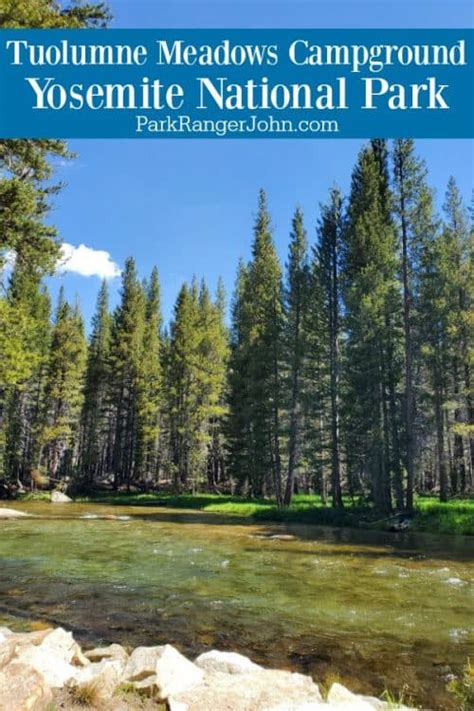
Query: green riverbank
[453, 518]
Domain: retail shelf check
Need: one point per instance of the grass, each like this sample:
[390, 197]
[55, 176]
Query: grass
[455, 517]
[463, 688]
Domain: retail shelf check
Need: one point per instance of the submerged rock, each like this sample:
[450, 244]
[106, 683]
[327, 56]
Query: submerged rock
[57, 497]
[227, 662]
[12, 513]
[23, 688]
[282, 537]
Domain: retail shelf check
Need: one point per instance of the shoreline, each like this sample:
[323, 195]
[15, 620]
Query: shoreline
[455, 518]
[47, 669]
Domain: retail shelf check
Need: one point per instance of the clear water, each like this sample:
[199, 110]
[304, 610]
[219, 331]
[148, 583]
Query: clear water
[379, 610]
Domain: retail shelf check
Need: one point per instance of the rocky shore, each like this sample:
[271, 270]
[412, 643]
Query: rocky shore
[47, 670]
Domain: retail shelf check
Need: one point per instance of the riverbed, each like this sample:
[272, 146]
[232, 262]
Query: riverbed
[375, 610]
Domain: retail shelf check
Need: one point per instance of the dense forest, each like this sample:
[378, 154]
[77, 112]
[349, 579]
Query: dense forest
[346, 372]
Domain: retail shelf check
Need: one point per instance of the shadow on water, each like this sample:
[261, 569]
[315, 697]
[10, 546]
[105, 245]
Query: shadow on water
[402, 545]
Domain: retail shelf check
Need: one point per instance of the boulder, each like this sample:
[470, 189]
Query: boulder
[51, 666]
[10, 646]
[12, 513]
[113, 651]
[62, 644]
[22, 688]
[57, 497]
[227, 662]
[341, 698]
[250, 691]
[4, 635]
[105, 675]
[161, 671]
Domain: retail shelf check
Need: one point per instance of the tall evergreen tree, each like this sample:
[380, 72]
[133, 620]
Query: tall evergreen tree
[126, 354]
[63, 390]
[95, 420]
[264, 317]
[327, 267]
[413, 215]
[296, 300]
[238, 430]
[150, 385]
[369, 283]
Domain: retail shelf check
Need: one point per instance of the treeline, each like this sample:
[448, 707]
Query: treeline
[347, 372]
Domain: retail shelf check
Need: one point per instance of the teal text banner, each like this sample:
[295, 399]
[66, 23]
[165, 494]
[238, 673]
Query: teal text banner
[305, 83]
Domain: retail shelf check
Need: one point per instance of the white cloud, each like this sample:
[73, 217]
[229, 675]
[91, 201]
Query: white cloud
[87, 262]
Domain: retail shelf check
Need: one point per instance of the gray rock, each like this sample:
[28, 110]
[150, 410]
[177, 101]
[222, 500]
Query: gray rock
[251, 691]
[162, 671]
[56, 672]
[113, 651]
[23, 688]
[341, 698]
[61, 643]
[227, 662]
[57, 497]
[105, 675]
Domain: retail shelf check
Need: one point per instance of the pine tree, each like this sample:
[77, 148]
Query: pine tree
[63, 390]
[296, 298]
[126, 354]
[263, 304]
[182, 386]
[456, 234]
[150, 385]
[369, 285]
[26, 296]
[238, 430]
[197, 368]
[94, 420]
[413, 214]
[327, 267]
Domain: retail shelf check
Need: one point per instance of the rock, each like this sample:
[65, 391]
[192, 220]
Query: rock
[310, 706]
[5, 633]
[162, 671]
[113, 651]
[12, 513]
[57, 497]
[250, 691]
[282, 537]
[22, 688]
[227, 662]
[105, 675]
[52, 667]
[341, 698]
[62, 644]
[15, 642]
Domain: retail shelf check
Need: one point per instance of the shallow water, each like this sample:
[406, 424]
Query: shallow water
[379, 610]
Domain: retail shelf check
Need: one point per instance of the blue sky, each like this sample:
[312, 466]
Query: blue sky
[188, 205]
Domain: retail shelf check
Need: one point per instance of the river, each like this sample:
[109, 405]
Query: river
[376, 610]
